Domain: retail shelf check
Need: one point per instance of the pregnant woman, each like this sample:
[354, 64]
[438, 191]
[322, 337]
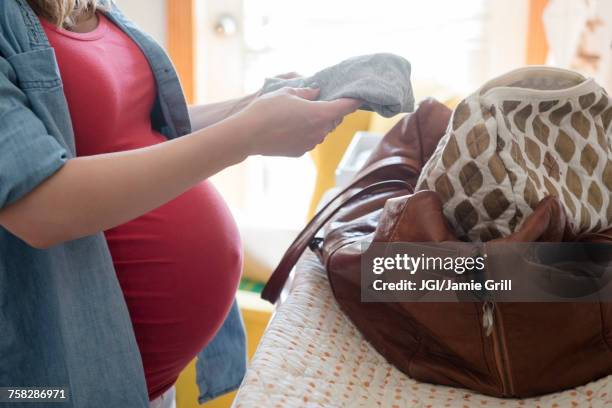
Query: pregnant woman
[97, 188]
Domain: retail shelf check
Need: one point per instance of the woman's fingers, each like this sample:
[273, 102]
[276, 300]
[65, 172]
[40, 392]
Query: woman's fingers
[330, 114]
[341, 107]
[310, 94]
[335, 109]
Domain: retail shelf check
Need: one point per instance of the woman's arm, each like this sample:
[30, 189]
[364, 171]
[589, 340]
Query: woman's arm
[95, 193]
[206, 115]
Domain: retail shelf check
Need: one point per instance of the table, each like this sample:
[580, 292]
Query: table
[311, 355]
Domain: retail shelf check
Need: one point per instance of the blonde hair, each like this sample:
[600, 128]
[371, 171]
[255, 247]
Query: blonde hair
[65, 13]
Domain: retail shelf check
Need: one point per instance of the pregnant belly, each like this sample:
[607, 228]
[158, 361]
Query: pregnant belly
[179, 267]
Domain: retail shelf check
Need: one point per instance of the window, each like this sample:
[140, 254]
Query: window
[453, 47]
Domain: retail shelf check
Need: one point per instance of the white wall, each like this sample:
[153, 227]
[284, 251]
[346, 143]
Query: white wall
[506, 36]
[149, 15]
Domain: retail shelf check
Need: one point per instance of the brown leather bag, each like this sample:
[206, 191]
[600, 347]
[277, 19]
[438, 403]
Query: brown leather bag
[528, 349]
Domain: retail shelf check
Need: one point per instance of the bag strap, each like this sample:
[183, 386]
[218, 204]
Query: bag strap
[277, 280]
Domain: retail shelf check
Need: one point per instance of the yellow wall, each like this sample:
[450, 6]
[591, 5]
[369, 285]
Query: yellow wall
[328, 154]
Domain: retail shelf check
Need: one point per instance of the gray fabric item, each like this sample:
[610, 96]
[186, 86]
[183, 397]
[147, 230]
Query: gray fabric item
[381, 80]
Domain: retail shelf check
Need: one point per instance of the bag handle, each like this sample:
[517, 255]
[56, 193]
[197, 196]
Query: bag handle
[277, 280]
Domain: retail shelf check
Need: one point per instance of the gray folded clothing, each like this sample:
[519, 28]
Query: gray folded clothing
[382, 81]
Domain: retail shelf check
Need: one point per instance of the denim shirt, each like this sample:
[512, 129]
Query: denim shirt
[63, 319]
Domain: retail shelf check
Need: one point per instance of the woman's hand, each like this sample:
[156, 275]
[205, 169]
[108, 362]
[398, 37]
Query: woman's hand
[204, 115]
[290, 122]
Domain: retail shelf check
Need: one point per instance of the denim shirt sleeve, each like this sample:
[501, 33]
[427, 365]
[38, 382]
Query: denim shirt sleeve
[28, 154]
[221, 366]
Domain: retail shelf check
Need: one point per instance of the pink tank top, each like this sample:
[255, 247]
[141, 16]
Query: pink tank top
[178, 265]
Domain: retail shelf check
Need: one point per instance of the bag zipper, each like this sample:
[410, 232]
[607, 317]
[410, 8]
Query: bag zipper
[493, 325]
